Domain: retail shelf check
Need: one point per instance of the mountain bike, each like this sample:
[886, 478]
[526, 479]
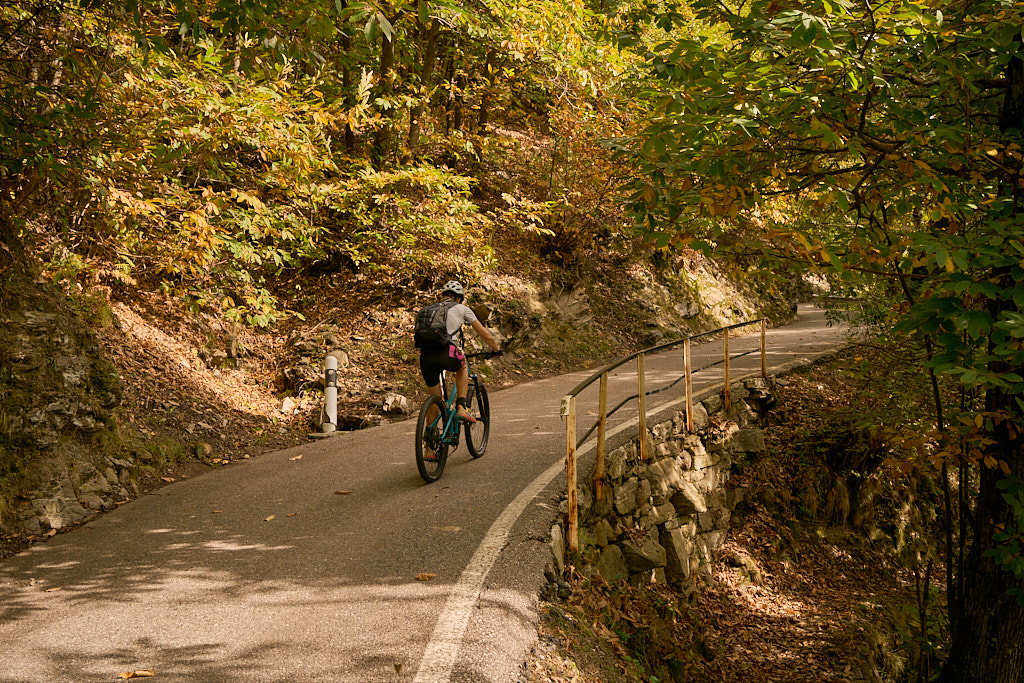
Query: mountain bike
[437, 428]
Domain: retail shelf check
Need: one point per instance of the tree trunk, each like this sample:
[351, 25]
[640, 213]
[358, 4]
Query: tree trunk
[383, 139]
[460, 96]
[426, 82]
[988, 641]
[988, 636]
[491, 69]
[346, 82]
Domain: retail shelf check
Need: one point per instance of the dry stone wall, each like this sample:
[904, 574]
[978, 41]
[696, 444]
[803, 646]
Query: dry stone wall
[662, 519]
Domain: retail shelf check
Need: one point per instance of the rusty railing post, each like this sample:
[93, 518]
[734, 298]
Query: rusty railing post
[689, 386]
[764, 354]
[642, 399]
[726, 394]
[602, 424]
[569, 412]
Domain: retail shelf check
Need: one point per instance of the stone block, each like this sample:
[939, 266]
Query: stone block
[659, 432]
[111, 476]
[615, 463]
[659, 515]
[93, 501]
[715, 498]
[679, 423]
[738, 391]
[30, 523]
[641, 579]
[713, 404]
[694, 445]
[688, 500]
[744, 415]
[604, 533]
[713, 540]
[643, 554]
[678, 551]
[603, 508]
[757, 386]
[705, 521]
[584, 500]
[748, 441]
[643, 493]
[558, 548]
[700, 417]
[701, 462]
[624, 496]
[722, 517]
[612, 563]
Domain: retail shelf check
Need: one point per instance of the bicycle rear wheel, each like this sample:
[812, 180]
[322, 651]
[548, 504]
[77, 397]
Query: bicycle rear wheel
[478, 432]
[431, 451]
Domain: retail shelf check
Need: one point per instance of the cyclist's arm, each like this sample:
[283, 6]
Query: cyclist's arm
[488, 338]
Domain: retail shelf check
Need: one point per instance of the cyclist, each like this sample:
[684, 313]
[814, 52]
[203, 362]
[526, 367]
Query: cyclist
[450, 356]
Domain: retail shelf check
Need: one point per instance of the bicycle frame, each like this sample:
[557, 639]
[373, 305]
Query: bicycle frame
[450, 433]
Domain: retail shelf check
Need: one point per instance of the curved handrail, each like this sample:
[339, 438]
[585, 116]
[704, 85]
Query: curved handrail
[626, 400]
[656, 349]
[568, 409]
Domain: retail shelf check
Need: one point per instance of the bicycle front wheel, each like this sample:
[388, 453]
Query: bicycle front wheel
[431, 451]
[478, 432]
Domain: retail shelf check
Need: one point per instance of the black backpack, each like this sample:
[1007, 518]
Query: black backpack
[432, 326]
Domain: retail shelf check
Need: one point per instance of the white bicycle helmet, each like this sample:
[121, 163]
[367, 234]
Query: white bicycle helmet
[454, 287]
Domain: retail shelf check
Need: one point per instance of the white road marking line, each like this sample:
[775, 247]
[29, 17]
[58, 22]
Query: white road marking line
[443, 647]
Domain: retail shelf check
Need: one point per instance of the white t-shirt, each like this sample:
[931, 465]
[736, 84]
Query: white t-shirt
[459, 315]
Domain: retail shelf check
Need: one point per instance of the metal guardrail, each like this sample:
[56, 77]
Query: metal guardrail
[568, 407]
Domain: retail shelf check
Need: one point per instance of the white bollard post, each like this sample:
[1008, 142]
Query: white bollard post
[330, 395]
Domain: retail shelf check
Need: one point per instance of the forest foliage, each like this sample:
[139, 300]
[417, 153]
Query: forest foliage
[209, 147]
[883, 142]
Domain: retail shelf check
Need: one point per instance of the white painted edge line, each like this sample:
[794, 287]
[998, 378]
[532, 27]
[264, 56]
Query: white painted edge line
[443, 647]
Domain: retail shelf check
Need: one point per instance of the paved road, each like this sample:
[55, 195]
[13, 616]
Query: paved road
[263, 571]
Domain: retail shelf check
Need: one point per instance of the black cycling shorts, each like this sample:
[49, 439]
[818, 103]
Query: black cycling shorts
[433, 361]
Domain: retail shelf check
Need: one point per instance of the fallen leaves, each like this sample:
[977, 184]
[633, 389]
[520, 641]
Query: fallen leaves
[424, 576]
[139, 673]
[297, 457]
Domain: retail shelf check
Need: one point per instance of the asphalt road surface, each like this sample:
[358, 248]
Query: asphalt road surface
[339, 565]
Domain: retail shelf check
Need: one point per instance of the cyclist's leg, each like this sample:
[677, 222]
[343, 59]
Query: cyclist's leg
[431, 365]
[456, 363]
